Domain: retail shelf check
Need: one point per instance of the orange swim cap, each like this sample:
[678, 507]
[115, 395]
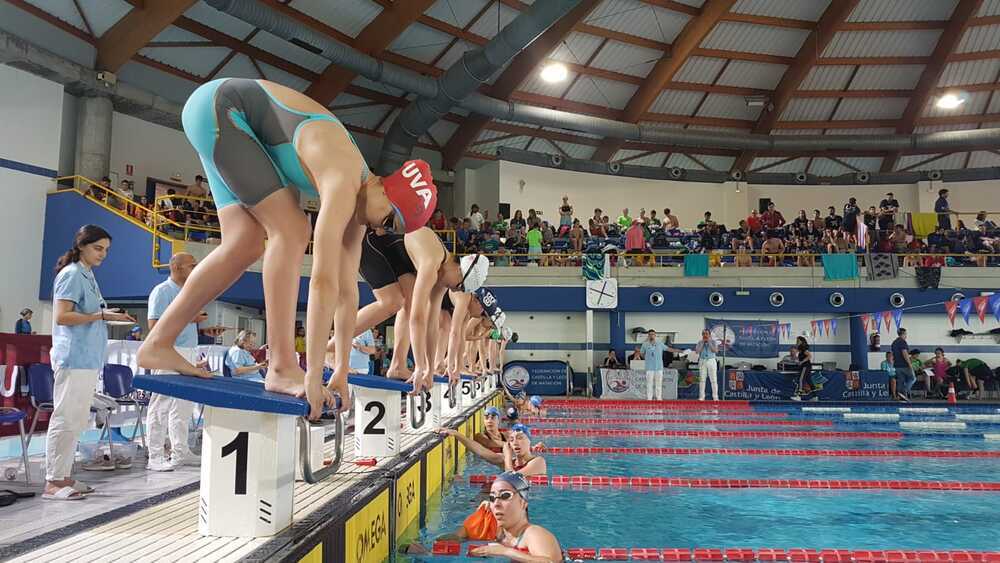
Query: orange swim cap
[413, 194]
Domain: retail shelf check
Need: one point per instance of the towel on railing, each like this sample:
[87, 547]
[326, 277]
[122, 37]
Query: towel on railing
[923, 223]
[840, 267]
[882, 266]
[696, 265]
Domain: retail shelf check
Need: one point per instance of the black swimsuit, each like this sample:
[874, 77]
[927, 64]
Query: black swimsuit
[384, 259]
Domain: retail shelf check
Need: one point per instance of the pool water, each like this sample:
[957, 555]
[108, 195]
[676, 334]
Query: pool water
[876, 519]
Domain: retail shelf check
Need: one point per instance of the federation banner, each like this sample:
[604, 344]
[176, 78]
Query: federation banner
[745, 339]
[631, 384]
[536, 377]
[869, 385]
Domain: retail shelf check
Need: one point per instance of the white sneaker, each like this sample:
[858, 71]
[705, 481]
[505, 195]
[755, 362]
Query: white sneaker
[159, 464]
[796, 398]
[102, 463]
[185, 459]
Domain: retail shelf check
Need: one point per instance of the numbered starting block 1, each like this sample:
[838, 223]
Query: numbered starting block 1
[248, 452]
[377, 414]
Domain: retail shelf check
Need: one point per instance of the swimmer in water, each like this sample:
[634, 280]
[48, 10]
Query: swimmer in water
[491, 437]
[516, 453]
[517, 538]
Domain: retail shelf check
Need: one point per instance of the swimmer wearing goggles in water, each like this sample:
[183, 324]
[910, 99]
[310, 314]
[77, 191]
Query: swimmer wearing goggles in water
[515, 453]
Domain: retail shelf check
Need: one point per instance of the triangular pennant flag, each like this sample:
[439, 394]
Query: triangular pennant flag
[826, 326]
[887, 319]
[980, 303]
[865, 319]
[878, 322]
[774, 329]
[965, 306]
[833, 325]
[897, 317]
[788, 330]
[995, 305]
[951, 307]
[813, 323]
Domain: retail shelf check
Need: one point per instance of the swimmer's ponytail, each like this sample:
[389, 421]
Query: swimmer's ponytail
[88, 234]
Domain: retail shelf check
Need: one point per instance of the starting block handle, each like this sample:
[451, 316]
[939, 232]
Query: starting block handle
[415, 412]
[308, 474]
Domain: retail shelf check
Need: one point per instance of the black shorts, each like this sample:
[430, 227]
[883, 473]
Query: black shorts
[384, 259]
[446, 304]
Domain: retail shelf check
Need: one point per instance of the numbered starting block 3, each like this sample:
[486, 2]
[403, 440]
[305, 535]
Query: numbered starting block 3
[248, 452]
[377, 431]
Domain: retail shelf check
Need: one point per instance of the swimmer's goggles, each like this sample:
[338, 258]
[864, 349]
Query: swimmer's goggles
[492, 411]
[502, 495]
[522, 429]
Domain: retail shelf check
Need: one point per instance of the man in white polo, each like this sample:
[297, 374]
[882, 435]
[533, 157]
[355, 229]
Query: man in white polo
[652, 352]
[708, 366]
[168, 415]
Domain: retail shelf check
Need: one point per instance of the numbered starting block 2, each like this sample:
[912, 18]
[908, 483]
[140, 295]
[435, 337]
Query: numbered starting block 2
[248, 452]
[377, 414]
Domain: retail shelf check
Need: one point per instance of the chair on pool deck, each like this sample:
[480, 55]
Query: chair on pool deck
[41, 390]
[10, 415]
[118, 385]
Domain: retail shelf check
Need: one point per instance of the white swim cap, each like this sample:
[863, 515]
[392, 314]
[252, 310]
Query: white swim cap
[474, 270]
[506, 332]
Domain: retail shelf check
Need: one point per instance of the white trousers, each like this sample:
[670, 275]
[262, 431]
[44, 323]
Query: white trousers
[169, 416]
[654, 382]
[706, 371]
[72, 394]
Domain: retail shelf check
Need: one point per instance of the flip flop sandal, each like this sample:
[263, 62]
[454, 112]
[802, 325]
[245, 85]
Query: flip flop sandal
[65, 493]
[9, 497]
[82, 487]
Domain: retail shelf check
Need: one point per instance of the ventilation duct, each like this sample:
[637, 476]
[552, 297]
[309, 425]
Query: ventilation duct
[463, 77]
[287, 28]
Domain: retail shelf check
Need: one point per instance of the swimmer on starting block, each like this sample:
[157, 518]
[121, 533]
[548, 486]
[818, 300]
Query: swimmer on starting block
[256, 138]
[515, 455]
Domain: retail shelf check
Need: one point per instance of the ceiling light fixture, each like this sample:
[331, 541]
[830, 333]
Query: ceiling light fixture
[951, 100]
[554, 72]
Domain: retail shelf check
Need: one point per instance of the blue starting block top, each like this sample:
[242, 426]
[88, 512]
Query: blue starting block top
[373, 382]
[440, 379]
[223, 392]
[468, 377]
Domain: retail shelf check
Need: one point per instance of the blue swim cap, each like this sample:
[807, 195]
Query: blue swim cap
[491, 411]
[512, 413]
[522, 429]
[516, 480]
[536, 401]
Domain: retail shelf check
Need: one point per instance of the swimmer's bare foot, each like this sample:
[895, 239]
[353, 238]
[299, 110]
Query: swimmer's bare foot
[287, 381]
[166, 358]
[400, 373]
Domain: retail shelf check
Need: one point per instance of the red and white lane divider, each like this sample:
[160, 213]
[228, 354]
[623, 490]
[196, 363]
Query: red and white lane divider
[676, 405]
[724, 422]
[776, 452]
[747, 554]
[696, 483]
[728, 434]
[693, 414]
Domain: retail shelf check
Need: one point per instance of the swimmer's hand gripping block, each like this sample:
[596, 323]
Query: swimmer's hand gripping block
[248, 452]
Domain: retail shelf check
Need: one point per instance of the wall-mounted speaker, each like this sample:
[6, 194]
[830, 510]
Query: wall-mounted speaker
[837, 299]
[897, 300]
[716, 299]
[676, 173]
[777, 299]
[556, 159]
[656, 299]
[615, 167]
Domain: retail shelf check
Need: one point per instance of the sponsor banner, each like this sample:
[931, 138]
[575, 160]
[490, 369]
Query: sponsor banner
[870, 385]
[366, 534]
[407, 500]
[745, 339]
[536, 378]
[632, 384]
[434, 462]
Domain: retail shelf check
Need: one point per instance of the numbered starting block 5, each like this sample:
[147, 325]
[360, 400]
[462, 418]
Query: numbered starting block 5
[248, 452]
[470, 391]
[377, 414]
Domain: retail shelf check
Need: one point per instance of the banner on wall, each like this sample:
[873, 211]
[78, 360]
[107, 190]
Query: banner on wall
[746, 339]
[869, 385]
[536, 377]
[632, 384]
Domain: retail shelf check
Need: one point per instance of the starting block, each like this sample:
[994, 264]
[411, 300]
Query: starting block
[470, 391]
[377, 414]
[248, 452]
[443, 401]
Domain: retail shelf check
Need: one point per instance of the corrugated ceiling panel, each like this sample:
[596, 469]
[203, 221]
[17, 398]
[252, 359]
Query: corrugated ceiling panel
[491, 147]
[874, 108]
[456, 12]
[950, 162]
[488, 25]
[752, 38]
[989, 8]
[797, 9]
[752, 74]
[289, 52]
[724, 105]
[994, 105]
[676, 102]
[102, 14]
[167, 85]
[366, 83]
[367, 117]
[593, 90]
[902, 10]
[869, 163]
[655, 159]
[627, 59]
[62, 10]
[827, 167]
[576, 48]
[576, 151]
[197, 60]
[827, 78]
[982, 159]
[980, 38]
[976, 104]
[536, 85]
[203, 13]
[442, 130]
[963, 73]
[346, 16]
[695, 3]
[887, 77]
[420, 42]
[818, 109]
[173, 33]
[700, 70]
[638, 18]
[454, 53]
[867, 131]
[682, 161]
[569, 131]
[241, 67]
[282, 77]
[716, 129]
[797, 165]
[882, 43]
[717, 162]
[946, 127]
[797, 132]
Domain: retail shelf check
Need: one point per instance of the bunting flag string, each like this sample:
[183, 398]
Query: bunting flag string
[995, 305]
[980, 303]
[865, 320]
[833, 325]
[813, 323]
[878, 322]
[950, 307]
[897, 317]
[826, 326]
[965, 306]
[887, 320]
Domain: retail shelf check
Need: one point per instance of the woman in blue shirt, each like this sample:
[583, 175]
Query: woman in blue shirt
[79, 340]
[238, 358]
[23, 325]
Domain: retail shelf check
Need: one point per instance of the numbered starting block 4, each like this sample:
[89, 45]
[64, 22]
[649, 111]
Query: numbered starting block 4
[443, 401]
[248, 452]
[377, 414]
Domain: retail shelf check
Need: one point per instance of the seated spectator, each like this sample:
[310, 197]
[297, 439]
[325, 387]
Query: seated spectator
[934, 259]
[833, 221]
[611, 360]
[940, 364]
[533, 218]
[706, 222]
[653, 221]
[437, 221]
[801, 223]
[635, 355]
[815, 229]
[982, 221]
[576, 236]
[463, 233]
[239, 358]
[743, 248]
[500, 225]
[23, 325]
[754, 222]
[817, 217]
[899, 241]
[772, 218]
[624, 220]
[840, 244]
[518, 221]
[739, 233]
[804, 252]
[598, 226]
[772, 251]
[670, 220]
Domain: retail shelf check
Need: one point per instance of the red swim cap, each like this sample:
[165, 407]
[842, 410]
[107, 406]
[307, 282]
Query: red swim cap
[413, 194]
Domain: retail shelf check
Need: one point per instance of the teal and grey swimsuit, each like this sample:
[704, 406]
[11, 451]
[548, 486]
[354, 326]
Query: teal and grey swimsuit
[246, 141]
